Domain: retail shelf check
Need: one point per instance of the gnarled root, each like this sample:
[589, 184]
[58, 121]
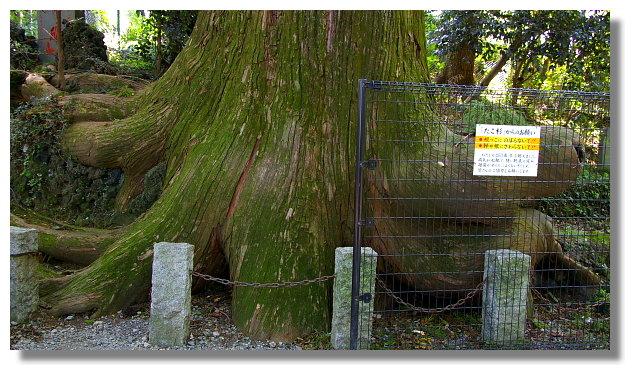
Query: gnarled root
[80, 247]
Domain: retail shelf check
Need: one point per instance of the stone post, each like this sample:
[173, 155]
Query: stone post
[341, 323]
[24, 278]
[505, 296]
[170, 309]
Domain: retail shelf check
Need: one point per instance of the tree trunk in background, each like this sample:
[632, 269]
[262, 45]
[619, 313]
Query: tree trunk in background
[60, 50]
[459, 67]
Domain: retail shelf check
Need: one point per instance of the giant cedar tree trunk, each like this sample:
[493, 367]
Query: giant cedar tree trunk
[256, 120]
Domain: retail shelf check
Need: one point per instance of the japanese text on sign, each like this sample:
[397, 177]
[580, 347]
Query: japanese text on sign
[506, 150]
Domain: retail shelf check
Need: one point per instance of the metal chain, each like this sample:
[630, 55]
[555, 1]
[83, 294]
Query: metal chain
[283, 284]
[458, 303]
[569, 304]
[381, 283]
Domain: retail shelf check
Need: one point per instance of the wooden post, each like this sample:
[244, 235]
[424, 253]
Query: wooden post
[60, 51]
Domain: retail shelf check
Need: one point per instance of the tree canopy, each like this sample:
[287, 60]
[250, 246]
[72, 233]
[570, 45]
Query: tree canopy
[539, 43]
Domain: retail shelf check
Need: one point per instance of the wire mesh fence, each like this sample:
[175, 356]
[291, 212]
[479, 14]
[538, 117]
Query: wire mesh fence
[449, 173]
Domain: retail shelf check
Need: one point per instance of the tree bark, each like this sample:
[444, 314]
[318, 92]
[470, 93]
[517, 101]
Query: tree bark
[60, 50]
[459, 67]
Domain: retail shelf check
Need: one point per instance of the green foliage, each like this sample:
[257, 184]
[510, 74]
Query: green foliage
[540, 325]
[127, 62]
[156, 40]
[588, 198]
[140, 35]
[25, 19]
[484, 112]
[435, 63]
[36, 126]
[43, 178]
[23, 56]
[539, 41]
[23, 46]
[100, 21]
[124, 92]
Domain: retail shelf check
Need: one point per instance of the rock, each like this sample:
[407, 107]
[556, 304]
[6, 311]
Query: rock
[23, 270]
[35, 86]
[84, 48]
[170, 311]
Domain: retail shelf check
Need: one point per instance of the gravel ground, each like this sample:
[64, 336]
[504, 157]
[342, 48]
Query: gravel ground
[211, 329]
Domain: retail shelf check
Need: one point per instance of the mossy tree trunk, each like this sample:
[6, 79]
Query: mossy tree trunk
[256, 121]
[459, 67]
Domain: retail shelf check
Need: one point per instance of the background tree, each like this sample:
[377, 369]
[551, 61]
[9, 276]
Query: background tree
[25, 19]
[537, 42]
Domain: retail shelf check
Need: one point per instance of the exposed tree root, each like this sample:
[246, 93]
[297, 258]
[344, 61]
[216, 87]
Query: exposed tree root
[79, 247]
[95, 81]
[96, 107]
[559, 270]
[35, 86]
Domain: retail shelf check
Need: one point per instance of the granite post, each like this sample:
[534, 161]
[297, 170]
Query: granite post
[24, 280]
[170, 309]
[341, 322]
[505, 294]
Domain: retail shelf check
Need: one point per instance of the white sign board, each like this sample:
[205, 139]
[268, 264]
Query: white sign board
[506, 150]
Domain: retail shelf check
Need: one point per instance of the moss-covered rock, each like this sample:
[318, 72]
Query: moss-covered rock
[44, 179]
[84, 48]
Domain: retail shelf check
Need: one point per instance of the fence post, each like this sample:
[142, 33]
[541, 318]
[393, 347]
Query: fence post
[170, 309]
[342, 295]
[24, 280]
[506, 279]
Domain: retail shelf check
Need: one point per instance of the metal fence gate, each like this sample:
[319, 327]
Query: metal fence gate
[445, 173]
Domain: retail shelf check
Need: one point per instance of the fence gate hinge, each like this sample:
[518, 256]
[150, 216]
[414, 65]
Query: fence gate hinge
[370, 164]
[366, 297]
[368, 222]
[374, 85]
